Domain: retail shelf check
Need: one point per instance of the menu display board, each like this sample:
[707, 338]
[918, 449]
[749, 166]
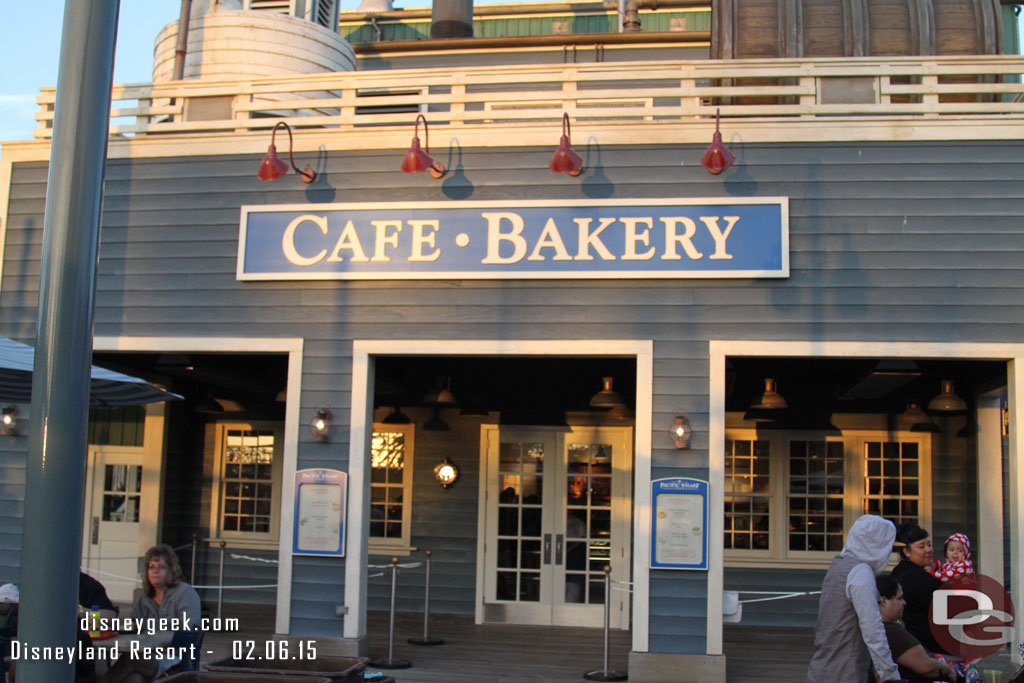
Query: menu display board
[679, 523]
[320, 512]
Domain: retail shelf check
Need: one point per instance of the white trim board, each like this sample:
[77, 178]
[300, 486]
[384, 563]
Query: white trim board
[361, 422]
[719, 350]
[293, 347]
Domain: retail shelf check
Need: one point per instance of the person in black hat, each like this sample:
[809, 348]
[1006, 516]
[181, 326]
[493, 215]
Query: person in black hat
[916, 558]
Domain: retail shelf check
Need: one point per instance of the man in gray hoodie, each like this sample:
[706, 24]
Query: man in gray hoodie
[849, 634]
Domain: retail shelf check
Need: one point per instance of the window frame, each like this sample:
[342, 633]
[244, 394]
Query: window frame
[246, 539]
[395, 546]
[854, 489]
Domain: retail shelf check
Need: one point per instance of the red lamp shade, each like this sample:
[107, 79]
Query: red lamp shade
[564, 159]
[271, 168]
[416, 160]
[717, 158]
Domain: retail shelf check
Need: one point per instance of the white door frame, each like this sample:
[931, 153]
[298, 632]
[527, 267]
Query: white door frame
[361, 427]
[1012, 354]
[293, 347]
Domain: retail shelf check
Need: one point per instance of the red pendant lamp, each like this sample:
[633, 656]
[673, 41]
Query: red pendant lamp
[717, 158]
[272, 168]
[565, 160]
[416, 160]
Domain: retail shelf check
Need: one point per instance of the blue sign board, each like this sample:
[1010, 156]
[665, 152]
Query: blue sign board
[611, 239]
[319, 527]
[679, 523]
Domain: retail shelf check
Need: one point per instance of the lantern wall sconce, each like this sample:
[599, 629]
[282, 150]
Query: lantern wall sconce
[9, 421]
[564, 159]
[416, 160]
[717, 158]
[320, 425]
[272, 168]
[446, 473]
[680, 431]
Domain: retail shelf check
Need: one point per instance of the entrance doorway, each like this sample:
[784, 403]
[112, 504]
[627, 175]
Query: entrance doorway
[113, 507]
[557, 512]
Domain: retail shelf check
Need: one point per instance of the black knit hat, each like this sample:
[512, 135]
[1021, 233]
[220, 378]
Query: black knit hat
[908, 534]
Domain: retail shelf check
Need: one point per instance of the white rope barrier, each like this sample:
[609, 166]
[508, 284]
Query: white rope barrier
[90, 570]
[775, 595]
[407, 565]
[252, 559]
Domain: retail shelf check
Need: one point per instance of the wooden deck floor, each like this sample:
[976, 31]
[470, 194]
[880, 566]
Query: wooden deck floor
[495, 653]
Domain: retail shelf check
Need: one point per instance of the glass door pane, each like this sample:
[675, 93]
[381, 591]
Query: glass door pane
[588, 495]
[520, 521]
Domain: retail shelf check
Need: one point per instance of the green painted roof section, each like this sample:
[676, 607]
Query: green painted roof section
[500, 27]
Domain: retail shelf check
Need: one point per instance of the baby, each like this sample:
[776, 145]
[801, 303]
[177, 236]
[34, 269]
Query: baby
[958, 565]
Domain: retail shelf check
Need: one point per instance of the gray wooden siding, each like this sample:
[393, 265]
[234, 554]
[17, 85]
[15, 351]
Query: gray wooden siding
[799, 611]
[889, 241]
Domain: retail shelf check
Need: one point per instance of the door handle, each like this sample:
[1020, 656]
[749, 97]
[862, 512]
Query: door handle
[547, 548]
[559, 541]
[95, 530]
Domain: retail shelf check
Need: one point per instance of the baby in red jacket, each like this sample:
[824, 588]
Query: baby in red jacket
[958, 565]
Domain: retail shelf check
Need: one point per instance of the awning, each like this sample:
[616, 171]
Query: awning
[107, 387]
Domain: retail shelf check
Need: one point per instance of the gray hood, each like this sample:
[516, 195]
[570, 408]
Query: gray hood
[870, 541]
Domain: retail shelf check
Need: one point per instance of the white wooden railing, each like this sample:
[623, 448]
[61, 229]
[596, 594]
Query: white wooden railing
[636, 92]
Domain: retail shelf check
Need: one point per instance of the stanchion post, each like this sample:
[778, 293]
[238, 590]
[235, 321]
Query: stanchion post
[391, 662]
[195, 545]
[606, 674]
[220, 580]
[426, 639]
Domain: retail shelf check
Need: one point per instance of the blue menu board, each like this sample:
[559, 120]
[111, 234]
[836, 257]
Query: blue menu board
[679, 523]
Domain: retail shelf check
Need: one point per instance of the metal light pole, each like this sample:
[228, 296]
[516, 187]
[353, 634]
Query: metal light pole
[55, 476]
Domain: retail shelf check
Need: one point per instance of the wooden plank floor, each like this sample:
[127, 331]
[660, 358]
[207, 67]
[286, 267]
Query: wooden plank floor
[494, 653]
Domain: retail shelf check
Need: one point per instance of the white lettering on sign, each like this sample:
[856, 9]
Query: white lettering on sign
[686, 239]
[384, 239]
[348, 240]
[495, 237]
[421, 238]
[589, 239]
[288, 241]
[718, 236]
[632, 237]
[506, 242]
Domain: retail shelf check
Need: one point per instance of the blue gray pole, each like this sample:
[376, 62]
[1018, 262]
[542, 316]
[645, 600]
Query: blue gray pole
[55, 476]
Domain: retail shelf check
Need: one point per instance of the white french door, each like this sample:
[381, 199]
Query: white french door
[113, 506]
[557, 506]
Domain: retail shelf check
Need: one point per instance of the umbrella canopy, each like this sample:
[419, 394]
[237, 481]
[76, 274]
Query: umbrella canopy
[106, 387]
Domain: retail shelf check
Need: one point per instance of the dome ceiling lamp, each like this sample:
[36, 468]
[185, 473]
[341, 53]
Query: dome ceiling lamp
[607, 397]
[717, 157]
[416, 160]
[947, 401]
[917, 419]
[770, 405]
[564, 159]
[272, 168]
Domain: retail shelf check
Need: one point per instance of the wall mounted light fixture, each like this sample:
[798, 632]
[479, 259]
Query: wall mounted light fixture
[320, 425]
[717, 158]
[680, 431]
[447, 473]
[416, 159]
[9, 421]
[564, 159]
[272, 168]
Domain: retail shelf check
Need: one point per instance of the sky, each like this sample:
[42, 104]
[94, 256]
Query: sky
[30, 46]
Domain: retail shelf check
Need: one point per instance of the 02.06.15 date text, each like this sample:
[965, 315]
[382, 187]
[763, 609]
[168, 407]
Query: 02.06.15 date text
[252, 650]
